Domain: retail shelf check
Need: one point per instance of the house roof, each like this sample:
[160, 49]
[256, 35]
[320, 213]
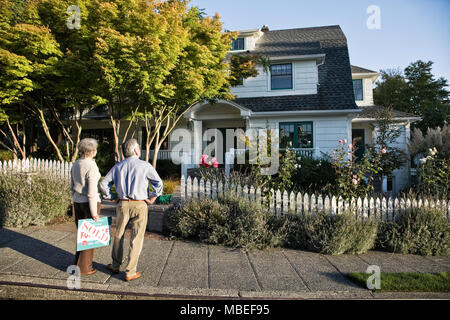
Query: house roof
[371, 112]
[356, 69]
[335, 90]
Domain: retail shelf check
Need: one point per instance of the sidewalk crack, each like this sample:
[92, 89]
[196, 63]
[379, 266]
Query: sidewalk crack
[258, 282]
[297, 272]
[165, 264]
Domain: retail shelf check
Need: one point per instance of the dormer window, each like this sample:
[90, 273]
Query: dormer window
[358, 89]
[237, 44]
[281, 76]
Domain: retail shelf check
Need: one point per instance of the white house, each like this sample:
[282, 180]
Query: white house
[311, 95]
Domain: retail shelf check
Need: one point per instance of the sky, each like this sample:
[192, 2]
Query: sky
[408, 31]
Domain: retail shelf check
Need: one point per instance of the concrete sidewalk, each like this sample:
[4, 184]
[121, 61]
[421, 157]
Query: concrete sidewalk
[39, 257]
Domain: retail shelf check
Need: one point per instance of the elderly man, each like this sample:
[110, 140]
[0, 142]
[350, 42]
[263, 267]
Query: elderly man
[131, 178]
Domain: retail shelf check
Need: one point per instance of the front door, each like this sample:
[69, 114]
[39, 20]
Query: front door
[233, 144]
[358, 143]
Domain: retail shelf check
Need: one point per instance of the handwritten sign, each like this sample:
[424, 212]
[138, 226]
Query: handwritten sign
[93, 234]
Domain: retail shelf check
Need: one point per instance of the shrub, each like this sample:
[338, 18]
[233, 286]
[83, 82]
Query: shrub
[167, 169]
[417, 231]
[231, 221]
[313, 175]
[5, 155]
[32, 200]
[329, 234]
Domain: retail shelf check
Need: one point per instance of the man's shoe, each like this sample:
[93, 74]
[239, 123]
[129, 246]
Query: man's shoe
[110, 268]
[88, 273]
[135, 276]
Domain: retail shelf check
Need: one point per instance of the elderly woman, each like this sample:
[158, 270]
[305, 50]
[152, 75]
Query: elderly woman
[84, 181]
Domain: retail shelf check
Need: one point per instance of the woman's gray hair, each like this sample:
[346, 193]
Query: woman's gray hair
[128, 147]
[87, 146]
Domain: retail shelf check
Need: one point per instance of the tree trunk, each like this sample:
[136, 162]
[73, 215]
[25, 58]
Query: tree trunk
[15, 140]
[116, 129]
[48, 135]
[79, 128]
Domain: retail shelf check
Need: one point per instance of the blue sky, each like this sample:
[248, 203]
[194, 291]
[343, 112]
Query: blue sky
[410, 30]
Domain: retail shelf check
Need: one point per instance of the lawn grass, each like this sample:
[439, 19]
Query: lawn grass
[406, 281]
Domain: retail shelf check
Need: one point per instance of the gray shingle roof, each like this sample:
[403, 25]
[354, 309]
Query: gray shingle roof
[356, 69]
[335, 89]
[371, 112]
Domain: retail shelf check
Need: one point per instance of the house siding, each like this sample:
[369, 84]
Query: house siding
[327, 131]
[305, 79]
[367, 92]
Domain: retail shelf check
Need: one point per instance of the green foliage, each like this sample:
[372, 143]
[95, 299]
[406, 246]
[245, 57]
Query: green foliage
[235, 222]
[167, 169]
[434, 175]
[231, 221]
[391, 90]
[5, 155]
[313, 175]
[406, 281]
[32, 200]
[386, 138]
[351, 175]
[329, 234]
[415, 91]
[417, 231]
[244, 66]
[104, 158]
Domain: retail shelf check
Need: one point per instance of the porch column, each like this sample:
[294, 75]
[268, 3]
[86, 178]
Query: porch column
[198, 143]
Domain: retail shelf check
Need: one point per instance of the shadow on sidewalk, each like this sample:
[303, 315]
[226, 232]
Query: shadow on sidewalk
[36, 249]
[340, 279]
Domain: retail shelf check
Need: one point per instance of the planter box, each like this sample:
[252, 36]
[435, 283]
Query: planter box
[157, 217]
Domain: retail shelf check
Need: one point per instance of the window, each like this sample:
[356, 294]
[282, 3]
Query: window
[390, 184]
[281, 76]
[296, 134]
[237, 44]
[358, 89]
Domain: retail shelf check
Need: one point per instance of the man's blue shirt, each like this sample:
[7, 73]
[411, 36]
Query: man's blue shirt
[131, 177]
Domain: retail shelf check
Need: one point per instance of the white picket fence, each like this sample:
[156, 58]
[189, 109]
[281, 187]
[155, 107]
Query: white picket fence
[58, 168]
[283, 202]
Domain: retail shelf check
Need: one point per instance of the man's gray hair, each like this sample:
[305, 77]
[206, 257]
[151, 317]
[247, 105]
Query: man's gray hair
[128, 147]
[87, 146]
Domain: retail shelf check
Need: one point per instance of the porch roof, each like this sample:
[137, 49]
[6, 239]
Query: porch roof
[371, 113]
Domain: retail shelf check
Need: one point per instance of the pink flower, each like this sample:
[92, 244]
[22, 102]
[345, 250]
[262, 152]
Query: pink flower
[354, 181]
[215, 163]
[350, 146]
[203, 162]
[345, 140]
[355, 176]
[340, 141]
[383, 151]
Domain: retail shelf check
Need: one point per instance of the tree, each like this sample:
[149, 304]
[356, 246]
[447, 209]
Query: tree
[391, 90]
[137, 44]
[415, 91]
[387, 133]
[29, 54]
[201, 71]
[428, 96]
[77, 71]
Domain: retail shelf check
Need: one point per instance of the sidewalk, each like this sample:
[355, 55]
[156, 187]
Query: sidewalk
[39, 257]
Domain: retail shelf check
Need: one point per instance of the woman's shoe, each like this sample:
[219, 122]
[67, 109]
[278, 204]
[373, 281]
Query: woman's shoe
[89, 272]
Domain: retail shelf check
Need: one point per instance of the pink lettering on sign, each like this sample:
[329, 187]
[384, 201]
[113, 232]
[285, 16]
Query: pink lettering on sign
[90, 231]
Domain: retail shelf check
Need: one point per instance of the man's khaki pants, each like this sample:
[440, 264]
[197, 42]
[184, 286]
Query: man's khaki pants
[136, 213]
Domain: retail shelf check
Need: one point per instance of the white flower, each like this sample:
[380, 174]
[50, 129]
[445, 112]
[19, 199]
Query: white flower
[432, 151]
[422, 160]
